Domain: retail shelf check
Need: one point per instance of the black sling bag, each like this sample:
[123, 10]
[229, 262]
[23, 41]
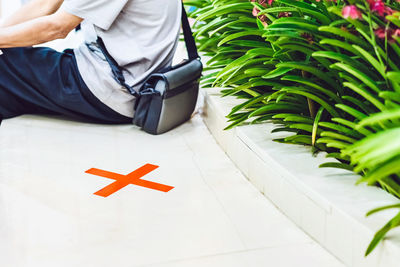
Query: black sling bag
[167, 98]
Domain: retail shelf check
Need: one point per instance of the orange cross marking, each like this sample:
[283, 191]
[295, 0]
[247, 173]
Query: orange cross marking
[123, 180]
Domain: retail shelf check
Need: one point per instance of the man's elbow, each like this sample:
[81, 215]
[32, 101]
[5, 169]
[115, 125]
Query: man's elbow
[62, 33]
[59, 25]
[56, 30]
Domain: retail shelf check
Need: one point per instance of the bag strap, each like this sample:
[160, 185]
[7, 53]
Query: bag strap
[117, 70]
[188, 36]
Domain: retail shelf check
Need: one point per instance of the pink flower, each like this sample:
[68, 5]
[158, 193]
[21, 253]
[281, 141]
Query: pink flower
[380, 33]
[263, 20]
[391, 33]
[284, 14]
[255, 11]
[352, 12]
[379, 7]
[263, 2]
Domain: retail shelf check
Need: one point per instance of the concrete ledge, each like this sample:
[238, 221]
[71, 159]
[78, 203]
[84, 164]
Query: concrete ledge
[325, 202]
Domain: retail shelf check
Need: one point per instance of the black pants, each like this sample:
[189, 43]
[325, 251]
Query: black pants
[44, 81]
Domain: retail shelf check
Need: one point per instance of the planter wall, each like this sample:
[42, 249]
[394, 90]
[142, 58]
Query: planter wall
[324, 202]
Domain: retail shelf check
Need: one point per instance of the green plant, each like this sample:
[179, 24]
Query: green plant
[325, 71]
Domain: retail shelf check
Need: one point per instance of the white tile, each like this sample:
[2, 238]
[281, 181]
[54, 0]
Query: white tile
[291, 201]
[43, 184]
[313, 219]
[389, 254]
[50, 216]
[258, 222]
[308, 194]
[216, 123]
[272, 185]
[361, 238]
[226, 137]
[210, 118]
[258, 172]
[240, 154]
[288, 256]
[338, 236]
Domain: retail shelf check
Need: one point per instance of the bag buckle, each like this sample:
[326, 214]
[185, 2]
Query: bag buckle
[149, 91]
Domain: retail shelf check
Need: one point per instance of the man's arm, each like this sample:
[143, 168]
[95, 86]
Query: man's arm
[39, 30]
[32, 10]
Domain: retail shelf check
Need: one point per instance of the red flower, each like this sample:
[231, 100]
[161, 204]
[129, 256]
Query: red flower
[391, 33]
[255, 11]
[352, 12]
[263, 2]
[263, 20]
[379, 7]
[380, 33]
[284, 14]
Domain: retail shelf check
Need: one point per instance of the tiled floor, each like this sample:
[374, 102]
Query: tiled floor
[213, 216]
[49, 216]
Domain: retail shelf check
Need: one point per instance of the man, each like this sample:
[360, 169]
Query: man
[141, 35]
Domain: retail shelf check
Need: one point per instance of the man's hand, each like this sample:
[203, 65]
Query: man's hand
[39, 30]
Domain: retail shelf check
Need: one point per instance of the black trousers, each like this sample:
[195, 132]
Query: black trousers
[44, 81]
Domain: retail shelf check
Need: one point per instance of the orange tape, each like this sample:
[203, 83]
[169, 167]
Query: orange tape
[123, 180]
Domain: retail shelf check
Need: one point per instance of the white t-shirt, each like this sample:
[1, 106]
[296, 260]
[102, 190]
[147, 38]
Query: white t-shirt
[141, 35]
